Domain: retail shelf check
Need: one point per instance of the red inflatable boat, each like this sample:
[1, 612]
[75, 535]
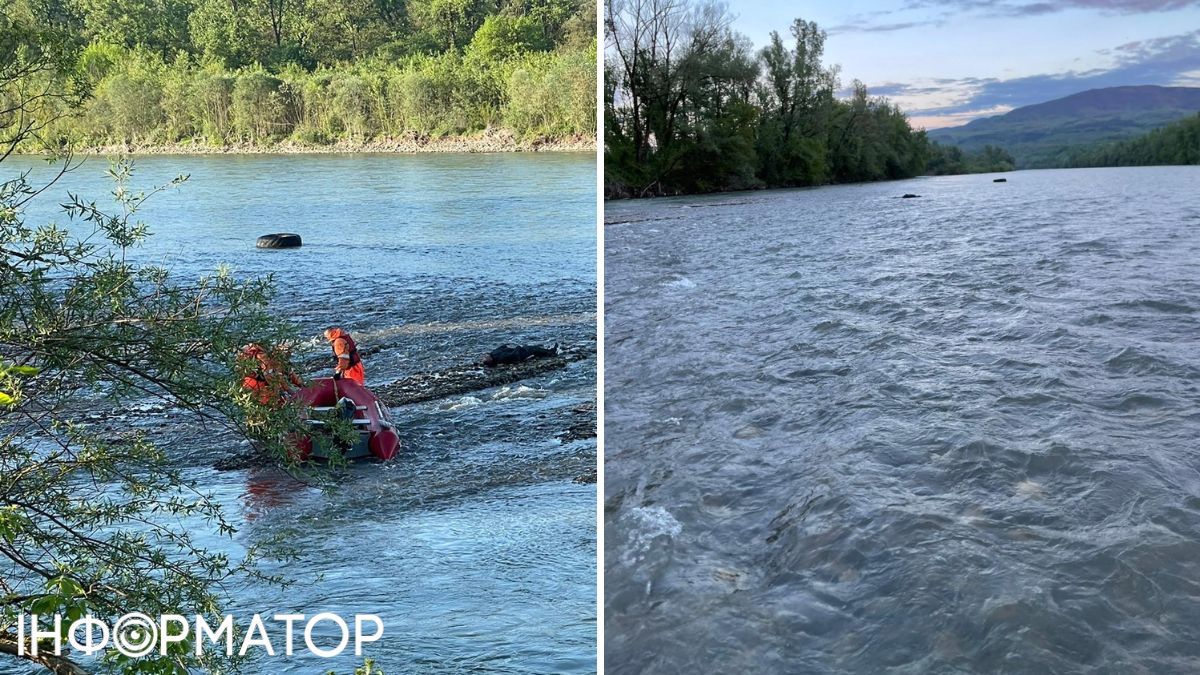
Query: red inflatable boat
[346, 399]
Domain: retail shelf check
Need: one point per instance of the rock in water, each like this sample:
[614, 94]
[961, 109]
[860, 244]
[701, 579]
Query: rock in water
[279, 240]
[910, 196]
[1000, 180]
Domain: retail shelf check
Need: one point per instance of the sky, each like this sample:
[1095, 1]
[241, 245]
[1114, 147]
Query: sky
[947, 62]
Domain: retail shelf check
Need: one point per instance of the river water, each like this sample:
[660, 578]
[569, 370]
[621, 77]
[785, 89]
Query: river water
[848, 432]
[476, 546]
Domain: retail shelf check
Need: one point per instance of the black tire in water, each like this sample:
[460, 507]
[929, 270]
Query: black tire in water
[281, 240]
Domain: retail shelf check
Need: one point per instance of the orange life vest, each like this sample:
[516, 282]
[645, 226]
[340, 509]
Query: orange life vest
[351, 349]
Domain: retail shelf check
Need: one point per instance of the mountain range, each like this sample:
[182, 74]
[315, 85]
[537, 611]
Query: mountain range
[1045, 134]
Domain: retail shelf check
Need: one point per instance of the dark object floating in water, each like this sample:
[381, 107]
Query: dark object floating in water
[1000, 180]
[469, 377]
[281, 240]
[910, 196]
[507, 354]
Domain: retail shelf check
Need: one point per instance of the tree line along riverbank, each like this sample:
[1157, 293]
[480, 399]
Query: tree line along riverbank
[691, 107]
[1174, 144]
[195, 76]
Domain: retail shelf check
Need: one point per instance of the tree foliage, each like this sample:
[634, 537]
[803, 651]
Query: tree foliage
[1177, 143]
[952, 160]
[93, 521]
[274, 33]
[689, 107]
[218, 72]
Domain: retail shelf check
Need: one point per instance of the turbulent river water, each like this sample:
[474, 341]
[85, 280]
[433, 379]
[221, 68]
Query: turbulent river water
[847, 432]
[476, 546]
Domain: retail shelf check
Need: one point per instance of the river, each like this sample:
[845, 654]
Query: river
[853, 433]
[476, 546]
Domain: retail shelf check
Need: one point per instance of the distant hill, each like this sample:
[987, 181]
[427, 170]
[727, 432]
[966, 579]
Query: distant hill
[1047, 134]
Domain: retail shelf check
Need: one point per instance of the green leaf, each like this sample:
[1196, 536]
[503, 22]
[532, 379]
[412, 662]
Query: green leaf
[44, 605]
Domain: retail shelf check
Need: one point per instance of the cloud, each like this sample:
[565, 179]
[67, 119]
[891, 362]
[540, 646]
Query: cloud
[953, 119]
[896, 89]
[881, 27]
[1027, 8]
[1169, 60]
[881, 21]
[924, 13]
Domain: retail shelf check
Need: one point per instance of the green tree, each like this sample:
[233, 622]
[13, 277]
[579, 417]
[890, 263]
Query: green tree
[127, 103]
[450, 23]
[550, 16]
[259, 109]
[91, 522]
[502, 37]
[1177, 143]
[158, 25]
[379, 76]
[553, 94]
[688, 108]
[798, 104]
[347, 30]
[677, 70]
[223, 32]
[951, 160]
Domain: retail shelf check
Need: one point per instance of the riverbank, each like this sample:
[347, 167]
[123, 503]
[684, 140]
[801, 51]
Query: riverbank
[495, 141]
[779, 188]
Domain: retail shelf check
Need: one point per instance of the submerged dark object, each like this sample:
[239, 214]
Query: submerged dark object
[509, 354]
[910, 196]
[466, 378]
[279, 240]
[353, 403]
[1000, 180]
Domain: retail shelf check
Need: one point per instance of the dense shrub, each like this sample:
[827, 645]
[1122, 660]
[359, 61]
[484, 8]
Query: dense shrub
[552, 94]
[139, 99]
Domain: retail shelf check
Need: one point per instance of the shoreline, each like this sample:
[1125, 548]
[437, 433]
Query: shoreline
[740, 191]
[486, 142]
[778, 188]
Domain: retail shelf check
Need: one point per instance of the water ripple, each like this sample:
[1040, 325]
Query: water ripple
[867, 435]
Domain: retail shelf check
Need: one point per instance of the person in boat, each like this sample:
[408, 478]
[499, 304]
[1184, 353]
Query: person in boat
[349, 364]
[265, 377]
[508, 354]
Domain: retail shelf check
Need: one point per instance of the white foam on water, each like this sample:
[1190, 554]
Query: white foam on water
[657, 521]
[1031, 489]
[520, 391]
[681, 282]
[464, 402]
[646, 525]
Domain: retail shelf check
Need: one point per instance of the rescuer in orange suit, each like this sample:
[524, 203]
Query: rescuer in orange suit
[349, 365]
[266, 377]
